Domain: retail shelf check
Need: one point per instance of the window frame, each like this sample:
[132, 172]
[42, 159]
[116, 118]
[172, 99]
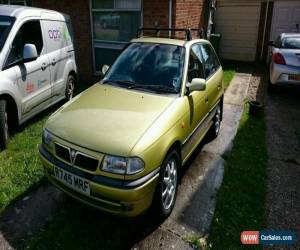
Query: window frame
[6, 65]
[107, 44]
[216, 57]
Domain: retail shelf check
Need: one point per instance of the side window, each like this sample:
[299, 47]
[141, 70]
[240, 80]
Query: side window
[30, 32]
[210, 60]
[195, 69]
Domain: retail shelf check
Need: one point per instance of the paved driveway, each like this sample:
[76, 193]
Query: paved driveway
[283, 132]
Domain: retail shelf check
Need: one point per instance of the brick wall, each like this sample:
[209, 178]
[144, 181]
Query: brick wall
[156, 12]
[80, 16]
[189, 13]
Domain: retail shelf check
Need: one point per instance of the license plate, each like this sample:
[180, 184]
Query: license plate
[73, 181]
[294, 77]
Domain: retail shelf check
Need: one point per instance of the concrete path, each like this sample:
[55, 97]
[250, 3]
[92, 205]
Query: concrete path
[195, 202]
[282, 114]
[192, 214]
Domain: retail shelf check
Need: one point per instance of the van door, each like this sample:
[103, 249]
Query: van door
[33, 78]
[60, 49]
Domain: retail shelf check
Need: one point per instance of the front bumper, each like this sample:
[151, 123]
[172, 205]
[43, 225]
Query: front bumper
[120, 197]
[279, 74]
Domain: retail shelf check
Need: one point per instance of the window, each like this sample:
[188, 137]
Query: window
[115, 22]
[30, 32]
[195, 69]
[6, 23]
[210, 60]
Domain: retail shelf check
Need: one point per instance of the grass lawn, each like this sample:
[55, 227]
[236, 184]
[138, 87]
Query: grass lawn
[20, 168]
[241, 198]
[229, 71]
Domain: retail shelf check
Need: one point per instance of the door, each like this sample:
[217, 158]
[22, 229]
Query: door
[286, 18]
[33, 78]
[212, 74]
[197, 102]
[238, 22]
[60, 49]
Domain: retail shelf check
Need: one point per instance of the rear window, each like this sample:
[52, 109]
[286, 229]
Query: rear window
[6, 24]
[291, 43]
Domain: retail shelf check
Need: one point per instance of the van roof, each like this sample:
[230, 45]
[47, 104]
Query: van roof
[24, 11]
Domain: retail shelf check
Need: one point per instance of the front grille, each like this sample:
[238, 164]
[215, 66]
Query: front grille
[86, 162]
[62, 152]
[76, 158]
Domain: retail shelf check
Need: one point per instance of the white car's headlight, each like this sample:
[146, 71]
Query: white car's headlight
[122, 165]
[47, 138]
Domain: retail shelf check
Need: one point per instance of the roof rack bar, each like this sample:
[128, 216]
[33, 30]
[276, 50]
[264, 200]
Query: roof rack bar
[188, 32]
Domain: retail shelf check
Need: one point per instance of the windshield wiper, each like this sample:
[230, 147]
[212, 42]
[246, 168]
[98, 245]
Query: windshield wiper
[133, 85]
[157, 88]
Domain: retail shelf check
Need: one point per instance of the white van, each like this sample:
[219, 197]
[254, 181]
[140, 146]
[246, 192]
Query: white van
[37, 64]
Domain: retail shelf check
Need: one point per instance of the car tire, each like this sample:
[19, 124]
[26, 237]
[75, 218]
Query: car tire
[166, 190]
[70, 87]
[216, 126]
[4, 131]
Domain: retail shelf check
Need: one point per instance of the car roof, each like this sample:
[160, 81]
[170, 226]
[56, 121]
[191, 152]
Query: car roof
[170, 41]
[24, 11]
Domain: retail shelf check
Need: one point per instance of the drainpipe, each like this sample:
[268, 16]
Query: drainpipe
[264, 33]
[170, 16]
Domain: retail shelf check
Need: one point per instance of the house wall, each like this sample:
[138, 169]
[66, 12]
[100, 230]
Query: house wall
[156, 13]
[80, 15]
[189, 13]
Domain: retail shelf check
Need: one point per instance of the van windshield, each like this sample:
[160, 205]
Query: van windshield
[6, 22]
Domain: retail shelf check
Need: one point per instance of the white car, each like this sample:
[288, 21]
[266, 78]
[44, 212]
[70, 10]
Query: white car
[37, 64]
[285, 60]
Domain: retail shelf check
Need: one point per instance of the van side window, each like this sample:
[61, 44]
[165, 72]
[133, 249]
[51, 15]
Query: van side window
[195, 69]
[211, 62]
[30, 32]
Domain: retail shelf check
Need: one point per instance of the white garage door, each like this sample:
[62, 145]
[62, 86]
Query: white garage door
[286, 18]
[238, 24]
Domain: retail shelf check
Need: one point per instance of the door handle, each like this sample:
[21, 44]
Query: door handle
[44, 66]
[53, 62]
[219, 86]
[206, 99]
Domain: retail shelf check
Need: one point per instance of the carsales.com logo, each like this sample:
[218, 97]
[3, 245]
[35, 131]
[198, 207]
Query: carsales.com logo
[267, 237]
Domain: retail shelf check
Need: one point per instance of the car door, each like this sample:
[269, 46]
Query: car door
[32, 78]
[213, 75]
[60, 49]
[196, 100]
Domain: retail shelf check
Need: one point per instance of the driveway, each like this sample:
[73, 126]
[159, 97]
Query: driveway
[77, 226]
[283, 132]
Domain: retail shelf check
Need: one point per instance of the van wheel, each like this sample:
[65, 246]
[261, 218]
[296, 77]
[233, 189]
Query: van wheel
[4, 132]
[215, 128]
[166, 190]
[70, 89]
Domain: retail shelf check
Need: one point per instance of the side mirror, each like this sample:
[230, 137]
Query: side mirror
[29, 52]
[271, 43]
[197, 84]
[105, 69]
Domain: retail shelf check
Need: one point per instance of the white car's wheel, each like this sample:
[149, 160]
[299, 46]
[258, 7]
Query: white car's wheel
[70, 89]
[4, 131]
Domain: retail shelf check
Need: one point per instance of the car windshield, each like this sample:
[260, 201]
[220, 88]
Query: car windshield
[6, 23]
[291, 43]
[149, 66]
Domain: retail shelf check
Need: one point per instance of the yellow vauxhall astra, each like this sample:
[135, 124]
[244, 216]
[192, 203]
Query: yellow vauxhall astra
[119, 146]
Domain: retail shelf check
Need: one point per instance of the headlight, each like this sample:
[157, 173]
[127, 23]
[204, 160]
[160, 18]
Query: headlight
[47, 138]
[122, 165]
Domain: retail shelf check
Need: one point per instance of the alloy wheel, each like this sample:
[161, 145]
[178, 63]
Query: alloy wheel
[169, 184]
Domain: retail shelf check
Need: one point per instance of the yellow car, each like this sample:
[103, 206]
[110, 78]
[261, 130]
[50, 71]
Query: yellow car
[119, 146]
